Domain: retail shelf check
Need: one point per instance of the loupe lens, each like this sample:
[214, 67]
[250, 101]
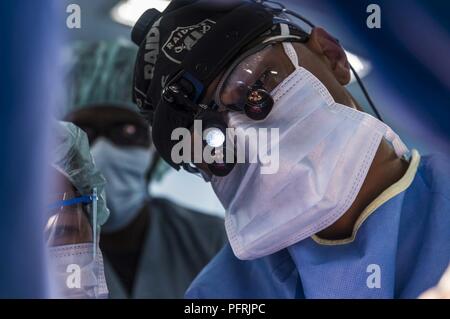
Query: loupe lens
[259, 104]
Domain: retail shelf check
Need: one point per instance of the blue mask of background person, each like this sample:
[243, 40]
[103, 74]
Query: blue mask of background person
[124, 169]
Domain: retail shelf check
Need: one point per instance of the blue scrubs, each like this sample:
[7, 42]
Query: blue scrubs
[399, 251]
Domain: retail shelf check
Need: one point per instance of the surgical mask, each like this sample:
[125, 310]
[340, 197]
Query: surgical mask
[326, 150]
[77, 273]
[124, 169]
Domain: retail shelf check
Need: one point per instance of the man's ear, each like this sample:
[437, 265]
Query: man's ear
[328, 48]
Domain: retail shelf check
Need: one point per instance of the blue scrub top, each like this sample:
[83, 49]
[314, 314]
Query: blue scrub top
[399, 249]
[179, 242]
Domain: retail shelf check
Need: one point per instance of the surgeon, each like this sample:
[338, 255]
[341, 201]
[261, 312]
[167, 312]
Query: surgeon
[153, 248]
[345, 210]
[75, 212]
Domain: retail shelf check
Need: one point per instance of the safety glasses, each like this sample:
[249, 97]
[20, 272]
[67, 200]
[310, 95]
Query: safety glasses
[121, 134]
[248, 82]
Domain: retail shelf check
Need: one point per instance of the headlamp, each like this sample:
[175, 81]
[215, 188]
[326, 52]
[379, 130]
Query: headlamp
[214, 137]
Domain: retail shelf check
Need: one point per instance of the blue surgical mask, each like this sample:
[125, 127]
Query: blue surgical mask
[124, 169]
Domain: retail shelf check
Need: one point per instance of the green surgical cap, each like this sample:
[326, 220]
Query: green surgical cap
[100, 74]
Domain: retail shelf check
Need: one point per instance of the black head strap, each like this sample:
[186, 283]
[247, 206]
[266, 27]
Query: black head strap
[231, 33]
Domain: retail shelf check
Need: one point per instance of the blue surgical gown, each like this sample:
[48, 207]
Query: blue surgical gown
[399, 251]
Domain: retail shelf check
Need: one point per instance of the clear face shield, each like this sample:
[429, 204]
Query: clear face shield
[71, 234]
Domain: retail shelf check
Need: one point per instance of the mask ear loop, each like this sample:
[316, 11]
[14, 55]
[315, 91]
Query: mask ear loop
[400, 148]
[94, 220]
[288, 47]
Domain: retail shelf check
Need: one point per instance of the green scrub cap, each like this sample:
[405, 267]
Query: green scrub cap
[100, 74]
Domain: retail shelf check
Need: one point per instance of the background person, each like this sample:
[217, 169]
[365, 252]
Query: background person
[153, 248]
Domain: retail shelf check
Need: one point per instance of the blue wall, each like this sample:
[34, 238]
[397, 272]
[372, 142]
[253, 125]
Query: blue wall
[27, 60]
